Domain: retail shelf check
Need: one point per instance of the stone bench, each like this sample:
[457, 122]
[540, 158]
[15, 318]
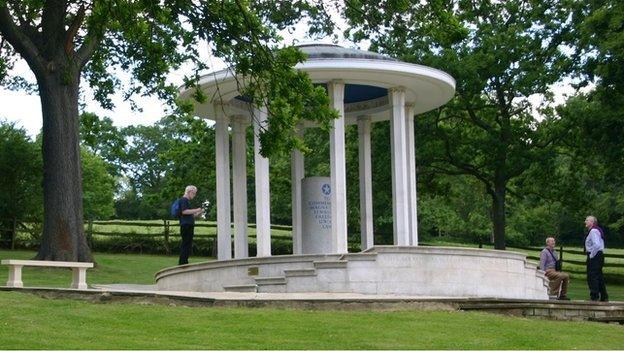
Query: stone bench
[79, 269]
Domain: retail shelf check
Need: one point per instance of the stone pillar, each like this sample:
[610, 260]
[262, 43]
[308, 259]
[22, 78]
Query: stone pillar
[222, 150]
[316, 225]
[411, 175]
[366, 188]
[239, 181]
[337, 162]
[263, 194]
[399, 167]
[297, 172]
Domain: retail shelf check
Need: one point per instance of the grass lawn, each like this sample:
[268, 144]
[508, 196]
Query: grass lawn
[111, 269]
[31, 322]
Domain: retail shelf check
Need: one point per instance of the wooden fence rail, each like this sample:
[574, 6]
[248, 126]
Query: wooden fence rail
[197, 225]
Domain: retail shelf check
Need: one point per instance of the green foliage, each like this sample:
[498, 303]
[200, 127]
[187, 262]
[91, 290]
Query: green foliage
[499, 53]
[21, 170]
[454, 206]
[64, 42]
[189, 160]
[102, 138]
[602, 39]
[98, 187]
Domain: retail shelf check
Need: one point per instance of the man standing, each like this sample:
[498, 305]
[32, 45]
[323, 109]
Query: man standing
[594, 247]
[548, 263]
[187, 223]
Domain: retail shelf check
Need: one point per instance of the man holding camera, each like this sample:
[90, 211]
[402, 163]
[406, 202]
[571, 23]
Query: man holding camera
[187, 223]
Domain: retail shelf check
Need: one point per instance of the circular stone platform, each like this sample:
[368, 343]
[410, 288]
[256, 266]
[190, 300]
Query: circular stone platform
[381, 270]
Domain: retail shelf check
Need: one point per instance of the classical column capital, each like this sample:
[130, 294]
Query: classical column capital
[336, 81]
[364, 118]
[397, 89]
[409, 110]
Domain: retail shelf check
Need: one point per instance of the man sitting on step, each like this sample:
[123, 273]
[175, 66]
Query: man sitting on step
[551, 265]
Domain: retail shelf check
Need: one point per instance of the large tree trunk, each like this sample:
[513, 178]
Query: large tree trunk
[498, 215]
[63, 230]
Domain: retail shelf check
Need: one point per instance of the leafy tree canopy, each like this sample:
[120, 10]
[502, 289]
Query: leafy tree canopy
[500, 53]
[148, 39]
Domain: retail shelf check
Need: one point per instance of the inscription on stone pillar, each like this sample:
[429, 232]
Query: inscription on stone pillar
[316, 215]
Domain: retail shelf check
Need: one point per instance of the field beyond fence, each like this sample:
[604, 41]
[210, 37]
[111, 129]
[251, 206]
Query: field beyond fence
[142, 236]
[163, 237]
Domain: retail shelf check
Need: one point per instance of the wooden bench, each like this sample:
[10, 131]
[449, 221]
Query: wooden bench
[79, 269]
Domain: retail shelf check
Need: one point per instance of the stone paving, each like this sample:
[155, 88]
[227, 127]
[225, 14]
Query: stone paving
[151, 289]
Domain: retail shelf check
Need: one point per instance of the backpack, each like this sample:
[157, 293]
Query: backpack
[175, 209]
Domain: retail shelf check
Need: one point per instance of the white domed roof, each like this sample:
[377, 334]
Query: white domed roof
[366, 75]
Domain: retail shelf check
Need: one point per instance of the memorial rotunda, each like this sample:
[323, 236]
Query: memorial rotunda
[365, 88]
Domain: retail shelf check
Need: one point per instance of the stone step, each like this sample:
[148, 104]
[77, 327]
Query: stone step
[299, 272]
[270, 280]
[364, 256]
[330, 264]
[241, 288]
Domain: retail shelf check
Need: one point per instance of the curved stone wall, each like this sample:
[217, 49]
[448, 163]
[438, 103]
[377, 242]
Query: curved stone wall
[409, 270]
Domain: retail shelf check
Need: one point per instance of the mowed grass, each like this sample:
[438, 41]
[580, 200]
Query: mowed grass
[31, 322]
[110, 269]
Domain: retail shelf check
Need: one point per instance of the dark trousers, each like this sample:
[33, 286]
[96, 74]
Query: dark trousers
[595, 279]
[186, 247]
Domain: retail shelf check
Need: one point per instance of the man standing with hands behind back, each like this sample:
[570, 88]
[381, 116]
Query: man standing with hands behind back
[187, 223]
[594, 247]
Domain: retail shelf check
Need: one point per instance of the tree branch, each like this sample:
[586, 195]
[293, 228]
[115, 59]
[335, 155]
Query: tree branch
[86, 50]
[73, 30]
[478, 121]
[91, 40]
[465, 167]
[21, 42]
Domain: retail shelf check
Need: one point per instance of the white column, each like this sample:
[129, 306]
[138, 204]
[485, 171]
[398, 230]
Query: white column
[411, 175]
[239, 182]
[222, 150]
[366, 187]
[399, 167]
[297, 172]
[263, 194]
[337, 166]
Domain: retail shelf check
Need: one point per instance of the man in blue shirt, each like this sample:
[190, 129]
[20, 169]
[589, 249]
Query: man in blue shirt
[187, 223]
[594, 247]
